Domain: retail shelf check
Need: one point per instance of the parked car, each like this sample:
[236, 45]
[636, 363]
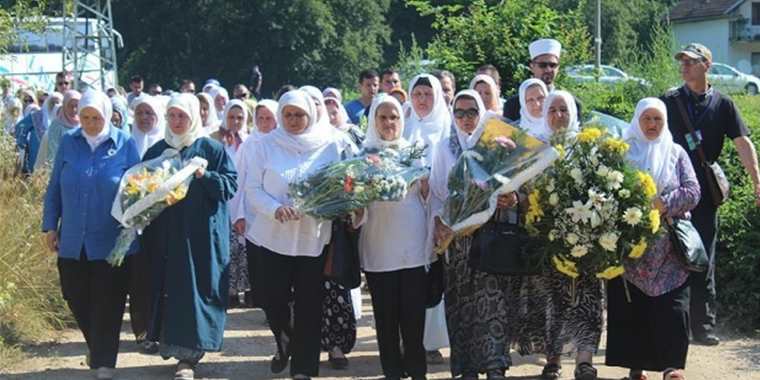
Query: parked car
[608, 74]
[730, 80]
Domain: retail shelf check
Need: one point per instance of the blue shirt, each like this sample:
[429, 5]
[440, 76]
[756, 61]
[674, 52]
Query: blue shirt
[355, 111]
[28, 141]
[81, 191]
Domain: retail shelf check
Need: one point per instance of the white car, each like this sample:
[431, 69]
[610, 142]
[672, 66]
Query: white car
[730, 80]
[608, 74]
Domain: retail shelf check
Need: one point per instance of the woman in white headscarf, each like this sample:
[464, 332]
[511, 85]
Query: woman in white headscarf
[292, 244]
[241, 210]
[489, 92]
[189, 244]
[232, 135]
[651, 331]
[429, 121]
[66, 119]
[560, 114]
[532, 94]
[393, 254]
[77, 220]
[220, 98]
[149, 122]
[210, 119]
[35, 128]
[339, 119]
[12, 114]
[50, 108]
[476, 347]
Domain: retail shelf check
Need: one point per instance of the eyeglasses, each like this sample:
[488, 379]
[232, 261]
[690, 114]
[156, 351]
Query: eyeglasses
[469, 113]
[543, 65]
[65, 83]
[294, 115]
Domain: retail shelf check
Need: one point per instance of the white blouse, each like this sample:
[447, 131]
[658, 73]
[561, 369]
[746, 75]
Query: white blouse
[394, 234]
[238, 207]
[268, 173]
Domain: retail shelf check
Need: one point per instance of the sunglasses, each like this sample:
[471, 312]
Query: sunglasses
[469, 113]
[63, 83]
[543, 65]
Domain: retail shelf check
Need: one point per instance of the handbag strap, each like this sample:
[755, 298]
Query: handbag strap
[692, 132]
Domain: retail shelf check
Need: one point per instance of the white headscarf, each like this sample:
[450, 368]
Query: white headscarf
[317, 96]
[332, 92]
[374, 140]
[215, 91]
[436, 125]
[316, 135]
[270, 105]
[572, 126]
[212, 121]
[468, 141]
[49, 109]
[527, 121]
[492, 84]
[343, 118]
[190, 105]
[146, 140]
[654, 156]
[100, 102]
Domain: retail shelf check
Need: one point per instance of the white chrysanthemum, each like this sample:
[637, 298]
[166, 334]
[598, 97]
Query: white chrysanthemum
[579, 251]
[602, 171]
[609, 241]
[553, 199]
[632, 216]
[577, 175]
[624, 193]
[550, 186]
[572, 239]
[615, 179]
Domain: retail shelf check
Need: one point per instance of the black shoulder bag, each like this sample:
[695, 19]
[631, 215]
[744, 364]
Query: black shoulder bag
[502, 248]
[717, 183]
[342, 261]
[688, 244]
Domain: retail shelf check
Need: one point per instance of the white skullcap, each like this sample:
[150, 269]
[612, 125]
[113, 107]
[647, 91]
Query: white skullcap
[545, 46]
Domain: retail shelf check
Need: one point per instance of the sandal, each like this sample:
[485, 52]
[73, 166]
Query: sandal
[585, 371]
[673, 374]
[552, 371]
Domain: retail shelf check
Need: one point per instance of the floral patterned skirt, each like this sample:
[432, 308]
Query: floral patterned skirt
[238, 264]
[338, 320]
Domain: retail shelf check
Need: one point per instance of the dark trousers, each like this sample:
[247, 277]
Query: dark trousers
[96, 293]
[647, 333]
[253, 252]
[702, 284]
[279, 279]
[140, 294]
[398, 303]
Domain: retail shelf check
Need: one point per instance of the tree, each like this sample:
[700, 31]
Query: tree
[320, 42]
[499, 33]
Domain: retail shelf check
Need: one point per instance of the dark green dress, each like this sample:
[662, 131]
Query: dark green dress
[189, 248]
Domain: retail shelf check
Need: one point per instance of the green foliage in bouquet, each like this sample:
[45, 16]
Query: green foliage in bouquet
[593, 209]
[375, 175]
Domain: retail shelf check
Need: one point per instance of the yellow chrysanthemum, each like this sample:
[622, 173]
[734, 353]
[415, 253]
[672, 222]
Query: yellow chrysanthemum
[611, 272]
[589, 135]
[638, 249]
[616, 145]
[534, 208]
[648, 184]
[176, 195]
[654, 220]
[565, 267]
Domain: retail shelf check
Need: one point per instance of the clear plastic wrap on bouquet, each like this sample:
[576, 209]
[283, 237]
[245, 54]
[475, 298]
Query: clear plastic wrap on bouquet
[494, 166]
[146, 189]
[374, 175]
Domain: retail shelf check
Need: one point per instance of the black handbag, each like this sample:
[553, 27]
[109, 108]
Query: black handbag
[502, 248]
[688, 244]
[434, 293]
[342, 261]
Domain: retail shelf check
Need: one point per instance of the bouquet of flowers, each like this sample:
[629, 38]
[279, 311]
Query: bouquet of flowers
[504, 159]
[593, 208]
[146, 189]
[337, 189]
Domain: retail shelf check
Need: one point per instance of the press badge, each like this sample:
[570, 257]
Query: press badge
[693, 142]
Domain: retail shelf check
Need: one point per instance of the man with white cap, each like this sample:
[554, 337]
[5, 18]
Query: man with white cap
[544, 64]
[700, 118]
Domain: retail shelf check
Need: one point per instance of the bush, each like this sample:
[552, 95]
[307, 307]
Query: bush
[738, 265]
[31, 304]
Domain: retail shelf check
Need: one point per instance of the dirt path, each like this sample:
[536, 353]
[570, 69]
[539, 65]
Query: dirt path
[248, 346]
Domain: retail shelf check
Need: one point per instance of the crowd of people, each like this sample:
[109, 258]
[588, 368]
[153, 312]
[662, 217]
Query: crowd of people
[236, 239]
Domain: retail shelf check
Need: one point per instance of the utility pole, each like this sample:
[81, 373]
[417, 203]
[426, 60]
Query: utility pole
[598, 39]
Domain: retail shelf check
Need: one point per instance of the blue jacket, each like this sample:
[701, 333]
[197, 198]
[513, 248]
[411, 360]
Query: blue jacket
[81, 191]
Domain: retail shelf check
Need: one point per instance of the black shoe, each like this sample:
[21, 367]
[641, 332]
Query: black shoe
[585, 371]
[552, 371]
[706, 340]
[495, 374]
[337, 363]
[279, 363]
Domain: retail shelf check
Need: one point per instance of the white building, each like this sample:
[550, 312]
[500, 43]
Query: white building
[729, 28]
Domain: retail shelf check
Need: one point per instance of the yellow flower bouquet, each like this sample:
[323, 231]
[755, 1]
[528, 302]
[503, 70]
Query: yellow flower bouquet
[592, 209]
[146, 189]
